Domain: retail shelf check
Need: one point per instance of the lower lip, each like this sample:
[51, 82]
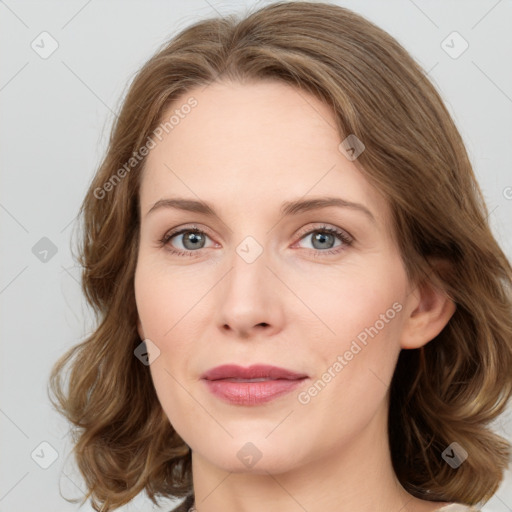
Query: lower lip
[251, 393]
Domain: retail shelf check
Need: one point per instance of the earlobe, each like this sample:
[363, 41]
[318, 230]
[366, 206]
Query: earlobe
[430, 313]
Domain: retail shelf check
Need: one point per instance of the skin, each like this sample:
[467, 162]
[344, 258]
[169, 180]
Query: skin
[245, 149]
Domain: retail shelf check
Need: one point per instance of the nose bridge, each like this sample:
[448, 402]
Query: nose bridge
[248, 295]
[249, 267]
[250, 249]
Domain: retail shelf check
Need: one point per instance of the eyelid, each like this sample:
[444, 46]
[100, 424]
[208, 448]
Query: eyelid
[319, 226]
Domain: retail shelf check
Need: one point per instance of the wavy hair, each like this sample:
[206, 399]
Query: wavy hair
[448, 390]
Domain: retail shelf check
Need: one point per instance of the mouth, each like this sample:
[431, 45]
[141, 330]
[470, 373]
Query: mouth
[249, 380]
[254, 373]
[251, 386]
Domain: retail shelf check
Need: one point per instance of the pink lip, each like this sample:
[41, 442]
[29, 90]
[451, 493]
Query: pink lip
[220, 381]
[256, 371]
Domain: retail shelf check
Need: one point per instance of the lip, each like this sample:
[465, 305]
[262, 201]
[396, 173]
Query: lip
[256, 371]
[221, 381]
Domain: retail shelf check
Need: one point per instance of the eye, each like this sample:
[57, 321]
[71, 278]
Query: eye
[191, 238]
[323, 238]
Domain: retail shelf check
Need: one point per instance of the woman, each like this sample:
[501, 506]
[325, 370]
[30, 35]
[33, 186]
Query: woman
[301, 305]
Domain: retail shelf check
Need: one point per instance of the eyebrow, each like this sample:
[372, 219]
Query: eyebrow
[287, 208]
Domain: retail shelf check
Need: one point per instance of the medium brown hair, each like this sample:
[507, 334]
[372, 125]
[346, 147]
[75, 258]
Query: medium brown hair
[449, 390]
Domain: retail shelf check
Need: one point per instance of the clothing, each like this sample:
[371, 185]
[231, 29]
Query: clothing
[453, 507]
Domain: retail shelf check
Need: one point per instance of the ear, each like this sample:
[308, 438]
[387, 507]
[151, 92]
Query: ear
[140, 330]
[429, 309]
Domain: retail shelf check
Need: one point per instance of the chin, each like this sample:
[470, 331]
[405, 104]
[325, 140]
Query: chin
[266, 464]
[251, 454]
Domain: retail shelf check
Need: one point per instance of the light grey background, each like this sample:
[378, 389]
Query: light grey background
[56, 115]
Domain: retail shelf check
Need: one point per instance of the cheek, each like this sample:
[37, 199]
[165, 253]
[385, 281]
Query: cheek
[358, 346]
[162, 304]
[351, 303]
[169, 306]
[163, 299]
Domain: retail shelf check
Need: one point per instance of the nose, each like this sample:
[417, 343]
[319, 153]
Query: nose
[249, 300]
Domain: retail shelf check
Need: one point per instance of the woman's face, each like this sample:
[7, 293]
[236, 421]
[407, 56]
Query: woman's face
[257, 286]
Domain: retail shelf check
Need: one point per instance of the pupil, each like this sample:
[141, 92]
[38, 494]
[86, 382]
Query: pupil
[322, 238]
[193, 238]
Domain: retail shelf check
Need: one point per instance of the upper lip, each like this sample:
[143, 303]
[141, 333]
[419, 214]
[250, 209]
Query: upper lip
[256, 371]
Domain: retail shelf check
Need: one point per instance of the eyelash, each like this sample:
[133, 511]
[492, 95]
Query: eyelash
[342, 236]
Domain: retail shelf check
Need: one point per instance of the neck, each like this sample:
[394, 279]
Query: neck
[356, 474]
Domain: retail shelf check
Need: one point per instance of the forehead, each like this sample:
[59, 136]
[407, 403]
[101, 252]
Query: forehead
[249, 145]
